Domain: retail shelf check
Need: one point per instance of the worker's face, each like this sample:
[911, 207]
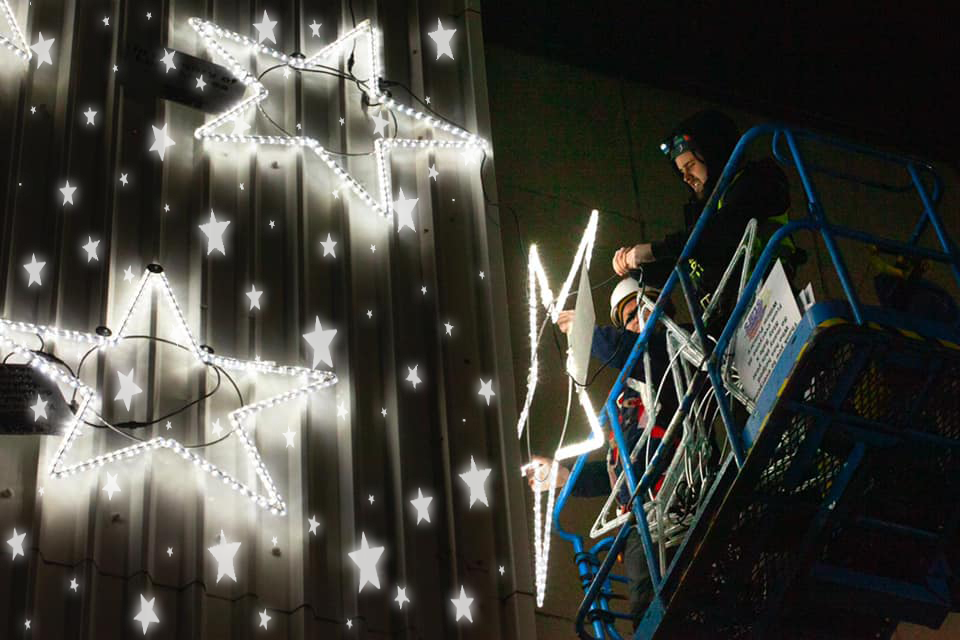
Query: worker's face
[634, 323]
[694, 172]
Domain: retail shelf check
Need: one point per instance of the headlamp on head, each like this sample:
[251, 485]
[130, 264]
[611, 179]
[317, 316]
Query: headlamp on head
[675, 145]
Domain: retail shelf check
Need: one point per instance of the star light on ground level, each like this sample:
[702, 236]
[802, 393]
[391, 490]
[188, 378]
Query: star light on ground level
[366, 557]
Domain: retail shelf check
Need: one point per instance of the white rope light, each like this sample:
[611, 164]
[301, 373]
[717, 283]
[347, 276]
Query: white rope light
[211, 34]
[312, 381]
[18, 43]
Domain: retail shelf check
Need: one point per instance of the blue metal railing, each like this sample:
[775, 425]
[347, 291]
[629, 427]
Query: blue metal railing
[596, 604]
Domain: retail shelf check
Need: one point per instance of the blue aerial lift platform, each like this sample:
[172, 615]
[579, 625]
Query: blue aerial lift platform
[834, 510]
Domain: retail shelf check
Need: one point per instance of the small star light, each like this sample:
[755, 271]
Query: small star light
[111, 487]
[91, 249]
[161, 141]
[379, 124]
[166, 208]
[16, 543]
[342, 122]
[328, 246]
[341, 410]
[320, 341]
[373, 248]
[383, 412]
[366, 557]
[315, 29]
[463, 605]
[288, 436]
[370, 313]
[106, 21]
[442, 37]
[413, 377]
[426, 99]
[313, 524]
[149, 15]
[241, 186]
[169, 552]
[216, 428]
[168, 425]
[167, 59]
[481, 275]
[74, 585]
[433, 173]
[33, 269]
[421, 503]
[67, 192]
[90, 114]
[265, 29]
[40, 491]
[254, 296]
[349, 623]
[401, 596]
[128, 389]
[486, 390]
[475, 479]
[224, 553]
[42, 49]
[39, 409]
[423, 290]
[449, 328]
[147, 616]
[123, 179]
[264, 618]
[272, 224]
[128, 274]
[214, 232]
[404, 210]
[200, 82]
[370, 498]
[501, 569]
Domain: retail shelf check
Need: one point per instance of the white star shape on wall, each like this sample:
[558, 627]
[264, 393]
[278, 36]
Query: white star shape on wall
[90, 114]
[265, 29]
[216, 428]
[264, 618]
[74, 585]
[200, 82]
[313, 524]
[214, 232]
[442, 37]
[304, 381]
[422, 503]
[315, 29]
[404, 209]
[320, 339]
[106, 21]
[111, 487]
[463, 605]
[147, 615]
[432, 172]
[413, 377]
[123, 179]
[328, 246]
[33, 270]
[379, 124]
[39, 409]
[224, 553]
[288, 436]
[67, 192]
[366, 557]
[161, 141]
[486, 390]
[214, 38]
[128, 388]
[167, 60]
[128, 275]
[16, 544]
[401, 596]
[449, 329]
[475, 479]
[254, 296]
[91, 249]
[42, 49]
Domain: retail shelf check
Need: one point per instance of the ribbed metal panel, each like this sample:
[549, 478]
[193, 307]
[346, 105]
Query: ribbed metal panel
[117, 549]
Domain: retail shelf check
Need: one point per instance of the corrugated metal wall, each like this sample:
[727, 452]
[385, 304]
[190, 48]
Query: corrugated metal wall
[117, 549]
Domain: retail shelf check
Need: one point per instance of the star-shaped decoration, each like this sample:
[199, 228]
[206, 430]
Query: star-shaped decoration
[349, 623]
[91, 249]
[432, 172]
[241, 186]
[449, 329]
[383, 412]
[115, 68]
[272, 224]
[370, 498]
[286, 74]
[370, 313]
[463, 605]
[149, 15]
[413, 377]
[475, 479]
[224, 553]
[401, 596]
[379, 124]
[341, 410]
[33, 270]
[486, 390]
[313, 524]
[373, 248]
[111, 487]
[404, 210]
[128, 388]
[106, 21]
[33, 109]
[336, 193]
[26, 624]
[166, 208]
[421, 504]
[68, 192]
[169, 552]
[168, 425]
[254, 296]
[265, 29]
[90, 114]
[16, 543]
[366, 557]
[214, 232]
[74, 585]
[147, 615]
[39, 409]
[482, 276]
[40, 491]
[315, 29]
[288, 436]
[167, 60]
[501, 569]
[128, 275]
[342, 122]
[426, 99]
[423, 290]
[442, 37]
[201, 83]
[161, 141]
[216, 428]
[264, 618]
[123, 179]
[328, 246]
[320, 339]
[42, 49]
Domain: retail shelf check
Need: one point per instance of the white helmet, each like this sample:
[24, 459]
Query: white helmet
[625, 289]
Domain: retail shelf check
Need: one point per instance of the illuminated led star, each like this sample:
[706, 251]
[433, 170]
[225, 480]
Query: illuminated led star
[404, 209]
[370, 313]
[214, 232]
[200, 82]
[501, 569]
[123, 179]
[401, 596]
[421, 503]
[149, 15]
[341, 410]
[383, 412]
[16, 543]
[147, 616]
[475, 479]
[486, 390]
[264, 618]
[328, 246]
[39, 409]
[463, 606]
[288, 436]
[90, 114]
[128, 274]
[433, 173]
[315, 29]
[128, 388]
[216, 428]
[379, 124]
[413, 377]
[313, 524]
[169, 552]
[74, 585]
[349, 624]
[224, 553]
[366, 557]
[320, 341]
[265, 29]
[167, 60]
[481, 275]
[67, 192]
[161, 141]
[449, 328]
[33, 270]
[42, 49]
[254, 296]
[91, 249]
[423, 290]
[272, 224]
[370, 498]
[442, 37]
[111, 487]
[106, 21]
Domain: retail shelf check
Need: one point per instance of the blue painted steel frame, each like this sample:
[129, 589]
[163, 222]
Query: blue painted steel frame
[815, 221]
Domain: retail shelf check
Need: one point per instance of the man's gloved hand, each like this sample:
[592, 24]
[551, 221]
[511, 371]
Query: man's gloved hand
[627, 258]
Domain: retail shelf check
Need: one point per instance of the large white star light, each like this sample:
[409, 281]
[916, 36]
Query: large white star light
[88, 400]
[16, 42]
[383, 203]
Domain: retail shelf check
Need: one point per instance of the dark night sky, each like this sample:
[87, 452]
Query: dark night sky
[880, 72]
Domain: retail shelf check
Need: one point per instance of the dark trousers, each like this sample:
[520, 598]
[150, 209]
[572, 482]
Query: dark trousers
[639, 586]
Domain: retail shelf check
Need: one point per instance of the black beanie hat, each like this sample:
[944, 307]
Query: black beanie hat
[713, 136]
